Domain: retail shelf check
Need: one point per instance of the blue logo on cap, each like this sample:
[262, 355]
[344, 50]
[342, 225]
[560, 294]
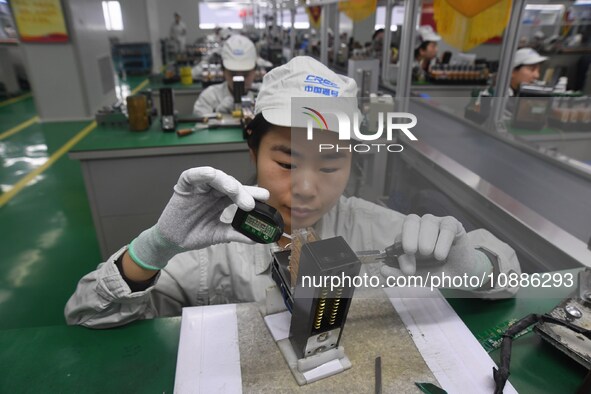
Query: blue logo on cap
[238, 52]
[324, 88]
[320, 81]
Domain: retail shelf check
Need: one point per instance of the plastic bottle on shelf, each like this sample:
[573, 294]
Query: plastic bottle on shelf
[561, 85]
[556, 110]
[587, 111]
[573, 113]
[445, 72]
[565, 111]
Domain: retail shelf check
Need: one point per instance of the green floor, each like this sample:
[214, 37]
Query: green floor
[47, 237]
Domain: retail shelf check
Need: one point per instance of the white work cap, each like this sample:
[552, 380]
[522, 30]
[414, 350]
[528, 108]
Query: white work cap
[239, 54]
[527, 56]
[319, 89]
[426, 33]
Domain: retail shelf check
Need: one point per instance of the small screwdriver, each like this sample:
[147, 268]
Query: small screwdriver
[388, 256]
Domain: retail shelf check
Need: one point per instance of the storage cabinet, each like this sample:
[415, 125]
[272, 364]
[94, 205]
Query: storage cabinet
[132, 58]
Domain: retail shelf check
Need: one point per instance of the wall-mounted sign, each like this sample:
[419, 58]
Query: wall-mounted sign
[40, 20]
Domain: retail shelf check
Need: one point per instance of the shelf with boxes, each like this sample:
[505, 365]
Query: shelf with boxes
[132, 58]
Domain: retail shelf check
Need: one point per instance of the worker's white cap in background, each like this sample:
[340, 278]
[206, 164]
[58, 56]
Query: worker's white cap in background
[527, 56]
[426, 33]
[310, 86]
[239, 54]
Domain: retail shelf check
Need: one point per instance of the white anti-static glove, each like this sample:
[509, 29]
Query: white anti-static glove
[191, 220]
[226, 105]
[435, 245]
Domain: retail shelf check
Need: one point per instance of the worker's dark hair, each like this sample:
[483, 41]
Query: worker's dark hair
[375, 33]
[256, 130]
[423, 47]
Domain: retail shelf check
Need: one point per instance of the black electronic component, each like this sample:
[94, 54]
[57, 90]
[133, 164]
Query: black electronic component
[238, 88]
[167, 118]
[263, 224]
[281, 275]
[319, 311]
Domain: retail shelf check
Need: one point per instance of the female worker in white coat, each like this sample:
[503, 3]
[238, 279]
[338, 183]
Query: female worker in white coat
[192, 256]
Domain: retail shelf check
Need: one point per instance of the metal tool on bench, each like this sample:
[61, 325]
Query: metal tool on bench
[167, 116]
[238, 91]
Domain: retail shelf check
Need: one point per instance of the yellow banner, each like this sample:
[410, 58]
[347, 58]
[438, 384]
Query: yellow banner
[465, 24]
[358, 10]
[40, 20]
[314, 16]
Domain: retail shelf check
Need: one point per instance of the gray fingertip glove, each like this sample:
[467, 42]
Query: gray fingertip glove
[435, 245]
[192, 218]
[480, 265]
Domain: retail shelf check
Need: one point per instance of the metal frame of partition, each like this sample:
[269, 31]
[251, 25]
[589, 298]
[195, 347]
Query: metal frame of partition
[510, 43]
[407, 40]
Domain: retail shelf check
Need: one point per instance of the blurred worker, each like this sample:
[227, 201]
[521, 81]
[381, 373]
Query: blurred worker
[226, 33]
[425, 51]
[178, 32]
[239, 58]
[377, 43]
[526, 68]
[377, 46]
[378, 36]
[219, 35]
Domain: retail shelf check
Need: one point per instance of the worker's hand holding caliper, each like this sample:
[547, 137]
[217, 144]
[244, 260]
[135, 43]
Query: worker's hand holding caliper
[191, 219]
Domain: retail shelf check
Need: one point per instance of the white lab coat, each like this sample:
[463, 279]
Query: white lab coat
[235, 272]
[215, 98]
[178, 31]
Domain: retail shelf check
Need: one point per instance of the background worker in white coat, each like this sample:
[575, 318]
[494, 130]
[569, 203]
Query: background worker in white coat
[425, 53]
[239, 58]
[178, 32]
[526, 69]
